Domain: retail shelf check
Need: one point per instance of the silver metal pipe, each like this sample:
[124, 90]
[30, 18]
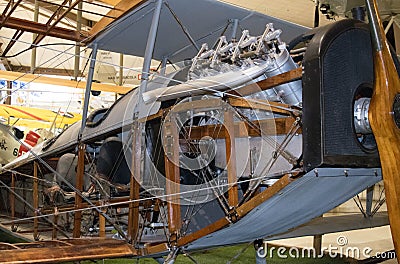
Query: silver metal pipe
[121, 69]
[163, 66]
[88, 88]
[234, 28]
[150, 47]
[151, 39]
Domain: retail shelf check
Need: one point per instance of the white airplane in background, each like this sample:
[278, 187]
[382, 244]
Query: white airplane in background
[39, 124]
[14, 142]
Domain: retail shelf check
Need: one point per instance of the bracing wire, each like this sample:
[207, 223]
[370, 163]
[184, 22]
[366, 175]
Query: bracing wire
[164, 196]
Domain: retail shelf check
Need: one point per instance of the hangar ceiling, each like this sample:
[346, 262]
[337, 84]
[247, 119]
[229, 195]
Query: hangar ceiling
[53, 25]
[57, 22]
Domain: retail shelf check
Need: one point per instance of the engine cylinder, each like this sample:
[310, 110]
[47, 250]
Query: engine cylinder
[289, 93]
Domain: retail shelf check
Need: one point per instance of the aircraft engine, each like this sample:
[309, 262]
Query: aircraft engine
[230, 65]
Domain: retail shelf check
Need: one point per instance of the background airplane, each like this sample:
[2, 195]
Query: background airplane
[24, 127]
[15, 115]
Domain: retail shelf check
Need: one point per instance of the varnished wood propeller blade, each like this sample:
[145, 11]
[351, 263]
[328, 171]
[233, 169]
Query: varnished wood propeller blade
[383, 112]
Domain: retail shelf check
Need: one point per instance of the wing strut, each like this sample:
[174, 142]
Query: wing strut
[151, 40]
[87, 91]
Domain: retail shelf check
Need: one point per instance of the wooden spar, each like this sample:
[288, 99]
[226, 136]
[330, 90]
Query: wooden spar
[263, 196]
[268, 83]
[67, 250]
[171, 148]
[35, 201]
[133, 216]
[230, 146]
[79, 186]
[211, 103]
[277, 126]
[12, 200]
[382, 112]
[258, 104]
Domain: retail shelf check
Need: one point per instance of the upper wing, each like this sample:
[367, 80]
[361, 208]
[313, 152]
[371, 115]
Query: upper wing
[190, 22]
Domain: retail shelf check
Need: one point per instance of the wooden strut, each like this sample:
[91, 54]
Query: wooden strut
[172, 188]
[133, 216]
[12, 201]
[268, 83]
[35, 201]
[382, 112]
[102, 224]
[230, 147]
[258, 104]
[79, 186]
[55, 224]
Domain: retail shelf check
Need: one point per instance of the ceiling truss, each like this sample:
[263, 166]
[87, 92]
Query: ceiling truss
[56, 18]
[59, 12]
[39, 28]
[60, 19]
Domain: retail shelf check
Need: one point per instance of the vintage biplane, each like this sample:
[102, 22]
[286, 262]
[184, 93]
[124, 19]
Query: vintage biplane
[263, 126]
